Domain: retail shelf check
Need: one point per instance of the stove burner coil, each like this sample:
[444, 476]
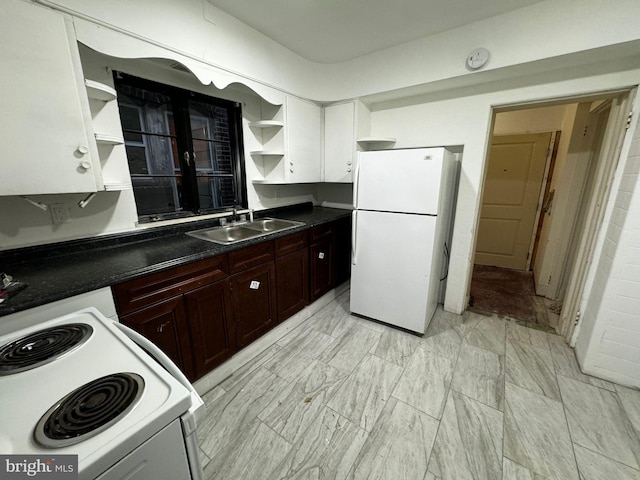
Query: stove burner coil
[42, 347]
[89, 410]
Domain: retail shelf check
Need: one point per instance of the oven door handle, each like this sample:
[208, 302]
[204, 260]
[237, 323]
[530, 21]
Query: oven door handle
[197, 405]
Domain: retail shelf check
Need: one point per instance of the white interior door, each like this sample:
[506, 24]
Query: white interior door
[391, 283]
[510, 200]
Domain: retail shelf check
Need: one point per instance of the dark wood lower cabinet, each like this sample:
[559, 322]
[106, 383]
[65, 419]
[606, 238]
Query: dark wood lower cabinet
[342, 257]
[210, 313]
[201, 313]
[165, 324]
[292, 283]
[254, 302]
[321, 260]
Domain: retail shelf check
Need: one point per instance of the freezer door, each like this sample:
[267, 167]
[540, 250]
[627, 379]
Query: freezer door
[399, 180]
[391, 265]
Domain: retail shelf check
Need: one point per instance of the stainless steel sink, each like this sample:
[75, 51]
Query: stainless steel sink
[269, 225]
[226, 235]
[230, 234]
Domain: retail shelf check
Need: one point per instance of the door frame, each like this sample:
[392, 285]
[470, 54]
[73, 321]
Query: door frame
[544, 186]
[610, 152]
[552, 154]
[607, 161]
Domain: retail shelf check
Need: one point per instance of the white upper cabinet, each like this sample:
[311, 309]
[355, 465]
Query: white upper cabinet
[304, 137]
[48, 144]
[346, 131]
[344, 124]
[340, 142]
[290, 138]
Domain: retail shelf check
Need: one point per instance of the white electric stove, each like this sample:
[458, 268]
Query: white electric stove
[102, 397]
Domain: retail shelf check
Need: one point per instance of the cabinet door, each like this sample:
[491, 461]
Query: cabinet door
[165, 324]
[321, 260]
[292, 277]
[212, 328]
[254, 302]
[303, 133]
[45, 112]
[342, 263]
[339, 142]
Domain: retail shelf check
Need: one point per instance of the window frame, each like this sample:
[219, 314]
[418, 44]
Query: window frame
[188, 171]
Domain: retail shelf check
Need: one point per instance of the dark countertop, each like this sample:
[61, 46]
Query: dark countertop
[61, 270]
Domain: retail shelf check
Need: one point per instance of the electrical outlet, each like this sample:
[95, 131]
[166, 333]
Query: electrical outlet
[59, 213]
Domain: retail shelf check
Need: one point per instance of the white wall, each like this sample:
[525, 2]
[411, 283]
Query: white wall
[22, 224]
[531, 120]
[335, 195]
[519, 40]
[522, 40]
[608, 337]
[198, 30]
[465, 120]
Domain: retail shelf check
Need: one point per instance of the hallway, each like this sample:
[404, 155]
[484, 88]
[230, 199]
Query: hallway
[511, 293]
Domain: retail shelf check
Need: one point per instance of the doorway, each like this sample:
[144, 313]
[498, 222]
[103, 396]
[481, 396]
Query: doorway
[546, 178]
[512, 186]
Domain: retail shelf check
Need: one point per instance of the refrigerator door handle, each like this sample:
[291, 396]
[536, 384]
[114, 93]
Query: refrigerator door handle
[356, 181]
[354, 229]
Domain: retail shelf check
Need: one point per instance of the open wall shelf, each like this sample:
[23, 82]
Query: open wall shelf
[267, 124]
[100, 91]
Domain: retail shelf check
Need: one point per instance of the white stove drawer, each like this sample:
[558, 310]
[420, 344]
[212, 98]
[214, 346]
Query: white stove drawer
[162, 456]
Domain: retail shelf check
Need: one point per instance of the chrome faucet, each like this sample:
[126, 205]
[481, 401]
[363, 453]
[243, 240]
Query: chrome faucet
[234, 216]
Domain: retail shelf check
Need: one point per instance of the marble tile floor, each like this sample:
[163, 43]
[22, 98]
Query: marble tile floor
[477, 397]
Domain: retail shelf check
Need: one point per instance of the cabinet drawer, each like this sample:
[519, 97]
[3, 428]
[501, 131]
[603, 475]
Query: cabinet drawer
[320, 232]
[248, 257]
[139, 293]
[291, 243]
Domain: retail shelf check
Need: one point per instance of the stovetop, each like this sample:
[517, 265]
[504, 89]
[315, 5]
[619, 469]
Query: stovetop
[89, 369]
[41, 347]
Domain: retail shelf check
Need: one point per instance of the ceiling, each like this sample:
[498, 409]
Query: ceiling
[330, 31]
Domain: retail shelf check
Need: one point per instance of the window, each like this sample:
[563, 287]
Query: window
[184, 149]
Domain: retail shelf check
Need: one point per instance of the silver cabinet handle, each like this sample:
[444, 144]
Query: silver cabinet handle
[187, 158]
[160, 327]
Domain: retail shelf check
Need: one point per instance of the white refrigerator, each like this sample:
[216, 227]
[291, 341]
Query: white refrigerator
[402, 220]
